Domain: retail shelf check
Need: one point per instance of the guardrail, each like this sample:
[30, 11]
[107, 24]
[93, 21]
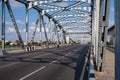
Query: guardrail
[88, 67]
[91, 68]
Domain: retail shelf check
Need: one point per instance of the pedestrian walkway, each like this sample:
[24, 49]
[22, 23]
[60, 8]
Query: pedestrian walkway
[109, 71]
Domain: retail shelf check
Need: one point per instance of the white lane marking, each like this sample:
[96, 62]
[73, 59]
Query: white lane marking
[53, 62]
[32, 73]
[9, 65]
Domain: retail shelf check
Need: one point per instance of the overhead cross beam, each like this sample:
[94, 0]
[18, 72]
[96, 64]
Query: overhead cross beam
[78, 33]
[40, 10]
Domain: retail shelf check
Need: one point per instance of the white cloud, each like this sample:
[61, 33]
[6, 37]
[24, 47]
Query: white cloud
[10, 30]
[15, 4]
[8, 23]
[20, 22]
[111, 23]
[32, 28]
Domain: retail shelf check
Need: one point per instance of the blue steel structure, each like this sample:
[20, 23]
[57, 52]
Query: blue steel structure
[91, 16]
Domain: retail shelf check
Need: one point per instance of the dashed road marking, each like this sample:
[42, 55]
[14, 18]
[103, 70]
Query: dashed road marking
[32, 73]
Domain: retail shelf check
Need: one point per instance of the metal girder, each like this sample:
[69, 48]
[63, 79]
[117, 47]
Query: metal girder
[95, 27]
[77, 11]
[77, 33]
[72, 27]
[43, 24]
[80, 23]
[49, 1]
[67, 8]
[36, 25]
[33, 4]
[81, 8]
[27, 24]
[3, 25]
[100, 36]
[71, 15]
[40, 10]
[100, 25]
[105, 29]
[14, 23]
[73, 21]
[75, 17]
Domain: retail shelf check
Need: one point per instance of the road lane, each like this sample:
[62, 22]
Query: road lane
[60, 64]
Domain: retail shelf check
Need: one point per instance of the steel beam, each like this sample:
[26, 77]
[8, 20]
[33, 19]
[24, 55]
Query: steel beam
[49, 33]
[77, 33]
[27, 24]
[106, 21]
[3, 25]
[34, 32]
[95, 27]
[99, 59]
[40, 10]
[14, 23]
[67, 8]
[40, 22]
[43, 23]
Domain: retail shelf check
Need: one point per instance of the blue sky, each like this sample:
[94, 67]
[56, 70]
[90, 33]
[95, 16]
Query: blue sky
[19, 13]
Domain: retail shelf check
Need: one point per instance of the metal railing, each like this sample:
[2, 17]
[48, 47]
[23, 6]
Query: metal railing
[88, 67]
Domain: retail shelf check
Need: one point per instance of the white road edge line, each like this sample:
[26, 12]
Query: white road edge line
[53, 62]
[32, 73]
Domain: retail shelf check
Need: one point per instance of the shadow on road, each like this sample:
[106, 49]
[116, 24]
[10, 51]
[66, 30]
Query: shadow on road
[67, 60]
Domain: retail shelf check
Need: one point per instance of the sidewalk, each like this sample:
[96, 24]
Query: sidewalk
[109, 72]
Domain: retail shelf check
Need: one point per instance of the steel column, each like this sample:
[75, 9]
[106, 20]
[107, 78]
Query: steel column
[106, 21]
[47, 45]
[14, 23]
[117, 39]
[49, 34]
[34, 32]
[27, 24]
[40, 22]
[96, 27]
[3, 25]
[57, 35]
[100, 44]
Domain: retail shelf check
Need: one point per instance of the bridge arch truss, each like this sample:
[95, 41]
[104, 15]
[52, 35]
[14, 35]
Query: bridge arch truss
[88, 16]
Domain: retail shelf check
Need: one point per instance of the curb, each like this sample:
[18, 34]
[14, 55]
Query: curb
[91, 71]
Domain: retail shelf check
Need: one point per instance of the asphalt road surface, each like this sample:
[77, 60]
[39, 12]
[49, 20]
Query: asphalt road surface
[63, 63]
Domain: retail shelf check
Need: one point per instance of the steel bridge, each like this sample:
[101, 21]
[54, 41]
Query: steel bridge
[89, 17]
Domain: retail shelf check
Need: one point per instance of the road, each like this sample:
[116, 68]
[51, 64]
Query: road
[63, 63]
